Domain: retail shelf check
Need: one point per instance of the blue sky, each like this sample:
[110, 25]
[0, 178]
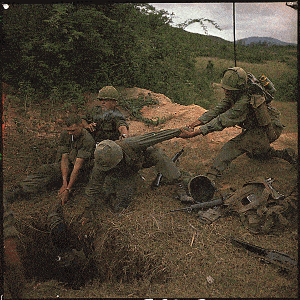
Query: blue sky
[269, 19]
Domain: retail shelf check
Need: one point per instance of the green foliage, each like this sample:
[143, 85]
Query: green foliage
[61, 50]
[134, 106]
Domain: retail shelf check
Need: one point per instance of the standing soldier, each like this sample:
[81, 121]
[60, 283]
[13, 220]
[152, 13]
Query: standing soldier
[105, 121]
[74, 158]
[209, 67]
[249, 110]
[117, 163]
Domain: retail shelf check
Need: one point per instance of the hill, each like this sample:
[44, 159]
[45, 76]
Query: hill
[148, 252]
[264, 41]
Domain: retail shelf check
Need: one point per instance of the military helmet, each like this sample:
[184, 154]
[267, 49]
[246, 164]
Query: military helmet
[234, 79]
[109, 92]
[201, 188]
[107, 155]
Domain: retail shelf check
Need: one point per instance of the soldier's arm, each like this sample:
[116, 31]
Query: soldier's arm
[122, 125]
[211, 114]
[88, 126]
[195, 124]
[73, 177]
[233, 116]
[64, 165]
[66, 188]
[87, 121]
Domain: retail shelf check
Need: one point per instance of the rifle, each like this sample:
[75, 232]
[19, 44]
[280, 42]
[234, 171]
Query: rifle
[157, 180]
[202, 205]
[107, 116]
[282, 260]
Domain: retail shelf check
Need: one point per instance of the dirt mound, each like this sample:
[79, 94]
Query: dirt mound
[173, 115]
[147, 251]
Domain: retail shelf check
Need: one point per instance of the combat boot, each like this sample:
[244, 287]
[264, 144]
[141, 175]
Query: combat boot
[182, 194]
[287, 154]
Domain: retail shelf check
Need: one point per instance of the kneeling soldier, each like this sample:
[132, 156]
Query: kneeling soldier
[74, 158]
[117, 164]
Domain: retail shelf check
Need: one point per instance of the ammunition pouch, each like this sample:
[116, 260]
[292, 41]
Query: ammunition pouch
[262, 115]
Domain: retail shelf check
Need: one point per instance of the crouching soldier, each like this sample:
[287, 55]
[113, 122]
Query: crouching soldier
[105, 121]
[248, 106]
[74, 159]
[117, 164]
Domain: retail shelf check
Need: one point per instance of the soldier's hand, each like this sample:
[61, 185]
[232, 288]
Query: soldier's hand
[195, 124]
[63, 193]
[64, 197]
[92, 126]
[187, 132]
[63, 188]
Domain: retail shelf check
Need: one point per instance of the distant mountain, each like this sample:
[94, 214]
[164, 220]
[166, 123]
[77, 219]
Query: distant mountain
[262, 40]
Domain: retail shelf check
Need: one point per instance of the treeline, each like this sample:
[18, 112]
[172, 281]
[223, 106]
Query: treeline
[61, 51]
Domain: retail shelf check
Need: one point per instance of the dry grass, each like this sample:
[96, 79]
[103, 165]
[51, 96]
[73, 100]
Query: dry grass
[149, 252]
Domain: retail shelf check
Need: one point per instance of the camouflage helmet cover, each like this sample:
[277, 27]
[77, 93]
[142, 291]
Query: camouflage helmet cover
[234, 79]
[108, 92]
[107, 155]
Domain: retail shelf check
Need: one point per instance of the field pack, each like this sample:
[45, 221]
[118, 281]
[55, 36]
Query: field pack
[262, 86]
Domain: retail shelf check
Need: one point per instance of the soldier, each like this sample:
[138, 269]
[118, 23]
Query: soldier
[259, 120]
[14, 275]
[117, 163]
[209, 67]
[105, 121]
[74, 158]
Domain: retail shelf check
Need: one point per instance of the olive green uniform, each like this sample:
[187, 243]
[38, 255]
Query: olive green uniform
[120, 182]
[253, 140]
[50, 175]
[108, 123]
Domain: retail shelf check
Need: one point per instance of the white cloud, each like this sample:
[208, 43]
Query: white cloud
[269, 19]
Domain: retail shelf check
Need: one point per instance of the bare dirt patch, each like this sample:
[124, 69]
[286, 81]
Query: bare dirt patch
[172, 254]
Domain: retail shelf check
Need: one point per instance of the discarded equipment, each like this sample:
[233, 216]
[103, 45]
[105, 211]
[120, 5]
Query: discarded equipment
[282, 260]
[156, 181]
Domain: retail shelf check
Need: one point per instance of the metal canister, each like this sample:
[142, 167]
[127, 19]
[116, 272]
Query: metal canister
[267, 84]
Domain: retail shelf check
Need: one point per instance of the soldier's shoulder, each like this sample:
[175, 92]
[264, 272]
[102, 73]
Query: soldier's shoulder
[87, 135]
[118, 113]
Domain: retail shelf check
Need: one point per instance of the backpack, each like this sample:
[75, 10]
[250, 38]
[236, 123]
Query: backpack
[258, 206]
[262, 86]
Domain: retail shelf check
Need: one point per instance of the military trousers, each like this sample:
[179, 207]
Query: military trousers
[49, 176]
[254, 142]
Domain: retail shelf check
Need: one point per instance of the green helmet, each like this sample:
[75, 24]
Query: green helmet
[107, 155]
[201, 188]
[234, 79]
[108, 92]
